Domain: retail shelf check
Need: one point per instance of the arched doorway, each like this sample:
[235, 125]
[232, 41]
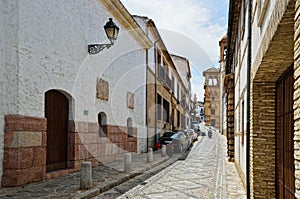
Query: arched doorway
[56, 112]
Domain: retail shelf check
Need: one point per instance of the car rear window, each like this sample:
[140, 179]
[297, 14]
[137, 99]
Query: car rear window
[168, 134]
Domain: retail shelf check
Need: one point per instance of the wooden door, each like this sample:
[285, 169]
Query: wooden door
[56, 112]
[285, 180]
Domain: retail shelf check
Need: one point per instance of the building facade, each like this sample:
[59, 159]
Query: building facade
[212, 97]
[223, 93]
[61, 105]
[198, 115]
[263, 62]
[168, 90]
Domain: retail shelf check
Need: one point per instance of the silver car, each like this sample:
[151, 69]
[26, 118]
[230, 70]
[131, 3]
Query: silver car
[192, 134]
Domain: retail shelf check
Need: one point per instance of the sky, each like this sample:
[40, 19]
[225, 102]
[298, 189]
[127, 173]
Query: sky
[189, 28]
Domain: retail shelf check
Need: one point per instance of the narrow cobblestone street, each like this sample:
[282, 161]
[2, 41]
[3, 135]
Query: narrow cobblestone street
[204, 174]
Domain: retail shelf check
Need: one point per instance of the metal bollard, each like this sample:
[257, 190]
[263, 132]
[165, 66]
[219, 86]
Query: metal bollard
[86, 181]
[127, 162]
[150, 155]
[163, 150]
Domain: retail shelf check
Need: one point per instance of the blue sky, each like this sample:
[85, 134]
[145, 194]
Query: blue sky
[190, 28]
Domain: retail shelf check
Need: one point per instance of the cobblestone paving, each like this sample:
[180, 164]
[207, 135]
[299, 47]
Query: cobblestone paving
[104, 178]
[202, 175]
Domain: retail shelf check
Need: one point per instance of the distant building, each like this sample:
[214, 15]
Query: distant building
[212, 97]
[198, 111]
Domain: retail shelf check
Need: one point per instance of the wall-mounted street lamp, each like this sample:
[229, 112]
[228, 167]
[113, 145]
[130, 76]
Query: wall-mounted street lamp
[112, 31]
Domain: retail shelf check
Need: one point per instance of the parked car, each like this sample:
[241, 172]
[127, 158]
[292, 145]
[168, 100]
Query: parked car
[166, 138]
[188, 136]
[180, 141]
[192, 134]
[196, 127]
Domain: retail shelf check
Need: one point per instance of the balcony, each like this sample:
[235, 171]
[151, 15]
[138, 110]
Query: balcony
[161, 73]
[166, 81]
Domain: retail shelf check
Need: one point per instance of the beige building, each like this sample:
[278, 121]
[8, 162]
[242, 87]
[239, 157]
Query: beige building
[212, 97]
[263, 75]
[168, 86]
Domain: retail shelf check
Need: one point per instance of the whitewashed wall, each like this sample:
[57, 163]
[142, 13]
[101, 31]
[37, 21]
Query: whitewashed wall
[8, 65]
[240, 96]
[259, 31]
[52, 38]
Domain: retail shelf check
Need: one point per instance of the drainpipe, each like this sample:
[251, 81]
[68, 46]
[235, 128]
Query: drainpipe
[146, 94]
[248, 95]
[155, 94]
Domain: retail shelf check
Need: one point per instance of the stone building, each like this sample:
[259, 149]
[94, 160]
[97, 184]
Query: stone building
[61, 105]
[262, 66]
[212, 97]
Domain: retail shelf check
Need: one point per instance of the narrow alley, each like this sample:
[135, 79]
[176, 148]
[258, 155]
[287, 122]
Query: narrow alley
[204, 174]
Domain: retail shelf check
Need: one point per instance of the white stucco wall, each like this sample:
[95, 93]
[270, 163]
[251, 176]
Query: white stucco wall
[8, 65]
[259, 31]
[52, 43]
[240, 96]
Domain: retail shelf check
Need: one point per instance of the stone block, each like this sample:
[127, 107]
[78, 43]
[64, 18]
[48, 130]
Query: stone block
[25, 123]
[101, 150]
[17, 158]
[27, 139]
[73, 152]
[83, 153]
[108, 149]
[44, 139]
[72, 126]
[94, 161]
[93, 127]
[22, 176]
[75, 164]
[91, 138]
[83, 127]
[92, 150]
[39, 156]
[9, 138]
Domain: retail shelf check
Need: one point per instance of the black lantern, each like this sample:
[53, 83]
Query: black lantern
[112, 31]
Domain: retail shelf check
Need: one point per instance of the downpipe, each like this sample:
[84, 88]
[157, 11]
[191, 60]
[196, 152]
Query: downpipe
[249, 57]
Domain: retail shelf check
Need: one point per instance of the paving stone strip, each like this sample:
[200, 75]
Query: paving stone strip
[104, 178]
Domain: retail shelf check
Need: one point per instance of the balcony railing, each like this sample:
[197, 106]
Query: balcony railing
[169, 82]
[161, 72]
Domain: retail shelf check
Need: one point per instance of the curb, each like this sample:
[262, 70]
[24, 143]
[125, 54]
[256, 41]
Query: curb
[102, 188]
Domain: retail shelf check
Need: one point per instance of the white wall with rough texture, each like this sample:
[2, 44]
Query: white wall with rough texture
[47, 49]
[8, 65]
[258, 32]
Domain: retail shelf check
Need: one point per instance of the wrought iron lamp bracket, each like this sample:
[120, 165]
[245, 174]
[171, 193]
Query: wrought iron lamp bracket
[96, 48]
